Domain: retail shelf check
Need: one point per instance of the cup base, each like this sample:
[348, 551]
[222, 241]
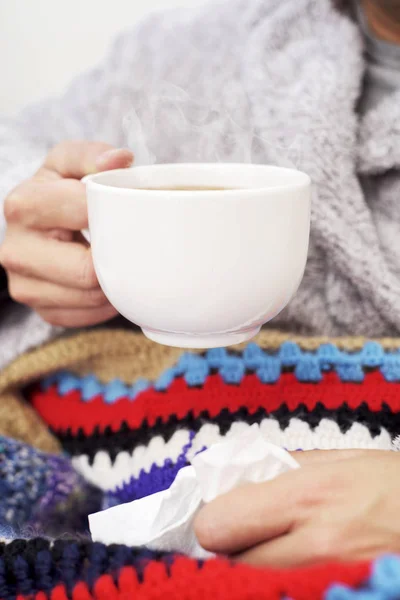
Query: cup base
[217, 340]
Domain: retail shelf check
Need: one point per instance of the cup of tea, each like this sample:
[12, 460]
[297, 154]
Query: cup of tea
[199, 255]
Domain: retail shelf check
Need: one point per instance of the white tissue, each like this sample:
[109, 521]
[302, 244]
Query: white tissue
[164, 521]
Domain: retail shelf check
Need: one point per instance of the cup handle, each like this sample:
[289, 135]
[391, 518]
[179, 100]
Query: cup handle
[86, 234]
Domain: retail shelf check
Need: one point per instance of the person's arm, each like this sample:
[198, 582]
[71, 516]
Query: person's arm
[91, 110]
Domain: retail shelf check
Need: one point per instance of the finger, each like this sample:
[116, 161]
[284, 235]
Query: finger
[312, 457]
[63, 235]
[312, 543]
[78, 317]
[248, 515]
[48, 205]
[44, 174]
[117, 158]
[290, 550]
[30, 254]
[76, 159]
[43, 294]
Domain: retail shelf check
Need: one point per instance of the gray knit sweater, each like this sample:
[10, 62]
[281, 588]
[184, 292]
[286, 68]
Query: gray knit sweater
[292, 71]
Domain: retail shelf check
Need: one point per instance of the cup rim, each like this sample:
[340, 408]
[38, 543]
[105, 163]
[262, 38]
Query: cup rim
[303, 179]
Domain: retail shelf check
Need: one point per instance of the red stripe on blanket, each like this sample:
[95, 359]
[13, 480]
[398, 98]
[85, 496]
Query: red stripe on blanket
[216, 579]
[71, 412]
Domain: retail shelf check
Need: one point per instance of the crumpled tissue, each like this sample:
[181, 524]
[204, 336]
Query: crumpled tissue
[164, 521]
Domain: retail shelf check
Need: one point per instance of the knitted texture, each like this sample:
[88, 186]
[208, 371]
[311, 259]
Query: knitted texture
[130, 439]
[128, 436]
[291, 72]
[108, 354]
[83, 571]
[42, 491]
[18, 420]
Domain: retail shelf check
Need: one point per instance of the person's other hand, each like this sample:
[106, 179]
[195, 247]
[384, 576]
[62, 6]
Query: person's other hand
[49, 266]
[341, 505]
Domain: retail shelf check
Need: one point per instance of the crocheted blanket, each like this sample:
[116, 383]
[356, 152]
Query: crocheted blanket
[128, 415]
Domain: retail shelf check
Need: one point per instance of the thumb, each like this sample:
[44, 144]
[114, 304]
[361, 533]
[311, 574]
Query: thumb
[75, 159]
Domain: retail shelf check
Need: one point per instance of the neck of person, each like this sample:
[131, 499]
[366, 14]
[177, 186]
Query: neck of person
[384, 19]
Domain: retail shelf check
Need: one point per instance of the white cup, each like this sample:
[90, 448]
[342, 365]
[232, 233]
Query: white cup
[199, 269]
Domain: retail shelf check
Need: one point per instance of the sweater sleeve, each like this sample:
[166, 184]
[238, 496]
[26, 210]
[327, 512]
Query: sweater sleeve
[91, 109]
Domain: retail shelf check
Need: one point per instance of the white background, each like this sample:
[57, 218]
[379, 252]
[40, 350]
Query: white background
[44, 43]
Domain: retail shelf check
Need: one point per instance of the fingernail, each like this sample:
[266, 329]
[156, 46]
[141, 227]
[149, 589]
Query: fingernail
[124, 156]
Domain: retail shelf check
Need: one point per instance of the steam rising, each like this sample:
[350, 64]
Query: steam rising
[170, 126]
